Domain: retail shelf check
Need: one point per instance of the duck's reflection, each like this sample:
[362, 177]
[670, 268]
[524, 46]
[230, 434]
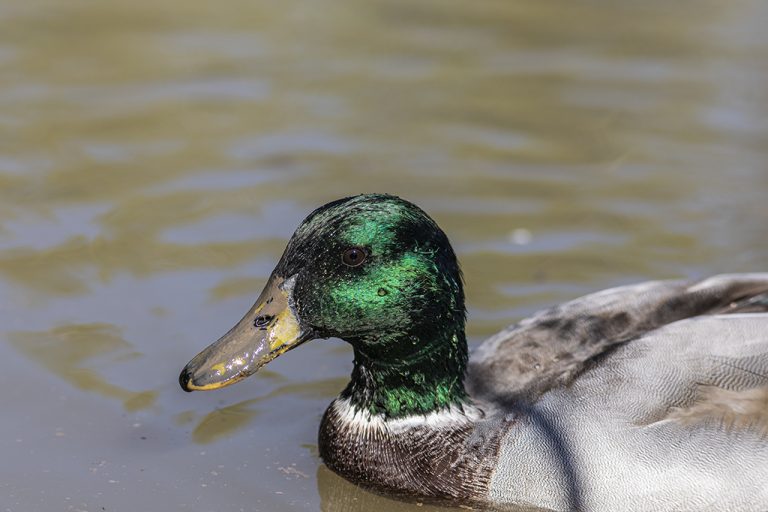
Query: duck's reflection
[339, 495]
[223, 422]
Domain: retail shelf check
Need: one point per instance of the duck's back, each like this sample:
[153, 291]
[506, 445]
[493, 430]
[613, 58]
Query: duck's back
[646, 397]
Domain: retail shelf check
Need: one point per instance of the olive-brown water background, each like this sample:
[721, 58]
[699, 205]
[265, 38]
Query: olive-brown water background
[155, 156]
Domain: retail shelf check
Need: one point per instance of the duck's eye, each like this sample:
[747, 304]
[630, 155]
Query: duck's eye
[354, 256]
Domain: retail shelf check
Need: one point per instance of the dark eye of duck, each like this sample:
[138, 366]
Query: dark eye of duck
[354, 256]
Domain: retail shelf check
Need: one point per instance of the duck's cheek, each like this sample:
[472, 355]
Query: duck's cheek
[350, 310]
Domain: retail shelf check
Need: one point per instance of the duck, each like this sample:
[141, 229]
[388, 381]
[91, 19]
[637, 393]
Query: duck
[651, 396]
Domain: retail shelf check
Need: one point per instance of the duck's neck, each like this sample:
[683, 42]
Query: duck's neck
[426, 376]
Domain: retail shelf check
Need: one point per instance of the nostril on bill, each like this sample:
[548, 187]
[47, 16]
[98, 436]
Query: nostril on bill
[261, 322]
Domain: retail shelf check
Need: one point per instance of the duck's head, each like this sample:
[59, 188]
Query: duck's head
[374, 270]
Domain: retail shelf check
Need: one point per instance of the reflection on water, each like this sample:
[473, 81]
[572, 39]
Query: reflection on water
[67, 351]
[156, 155]
[227, 420]
[338, 495]
[223, 422]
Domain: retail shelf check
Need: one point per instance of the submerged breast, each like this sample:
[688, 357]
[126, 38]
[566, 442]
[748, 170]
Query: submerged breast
[446, 455]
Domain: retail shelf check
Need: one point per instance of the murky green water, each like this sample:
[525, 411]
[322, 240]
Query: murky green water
[156, 155]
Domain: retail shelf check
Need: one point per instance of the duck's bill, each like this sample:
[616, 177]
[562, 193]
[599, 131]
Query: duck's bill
[269, 329]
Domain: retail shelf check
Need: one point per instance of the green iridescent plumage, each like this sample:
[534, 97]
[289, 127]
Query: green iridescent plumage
[402, 309]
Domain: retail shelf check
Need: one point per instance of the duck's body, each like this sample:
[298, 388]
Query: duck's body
[645, 397]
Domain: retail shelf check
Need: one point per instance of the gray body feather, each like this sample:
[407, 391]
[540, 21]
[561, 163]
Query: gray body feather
[646, 397]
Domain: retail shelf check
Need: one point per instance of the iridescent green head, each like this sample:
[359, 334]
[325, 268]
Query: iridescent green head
[376, 271]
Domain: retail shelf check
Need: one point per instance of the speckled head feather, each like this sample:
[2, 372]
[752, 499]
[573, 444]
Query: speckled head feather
[402, 308]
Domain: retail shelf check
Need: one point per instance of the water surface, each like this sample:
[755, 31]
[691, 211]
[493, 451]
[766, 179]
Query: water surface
[155, 156]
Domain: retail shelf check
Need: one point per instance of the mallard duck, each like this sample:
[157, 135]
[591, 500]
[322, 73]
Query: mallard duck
[644, 397]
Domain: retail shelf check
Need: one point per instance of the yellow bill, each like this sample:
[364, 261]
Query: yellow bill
[269, 329]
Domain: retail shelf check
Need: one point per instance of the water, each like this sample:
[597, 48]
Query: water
[156, 155]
